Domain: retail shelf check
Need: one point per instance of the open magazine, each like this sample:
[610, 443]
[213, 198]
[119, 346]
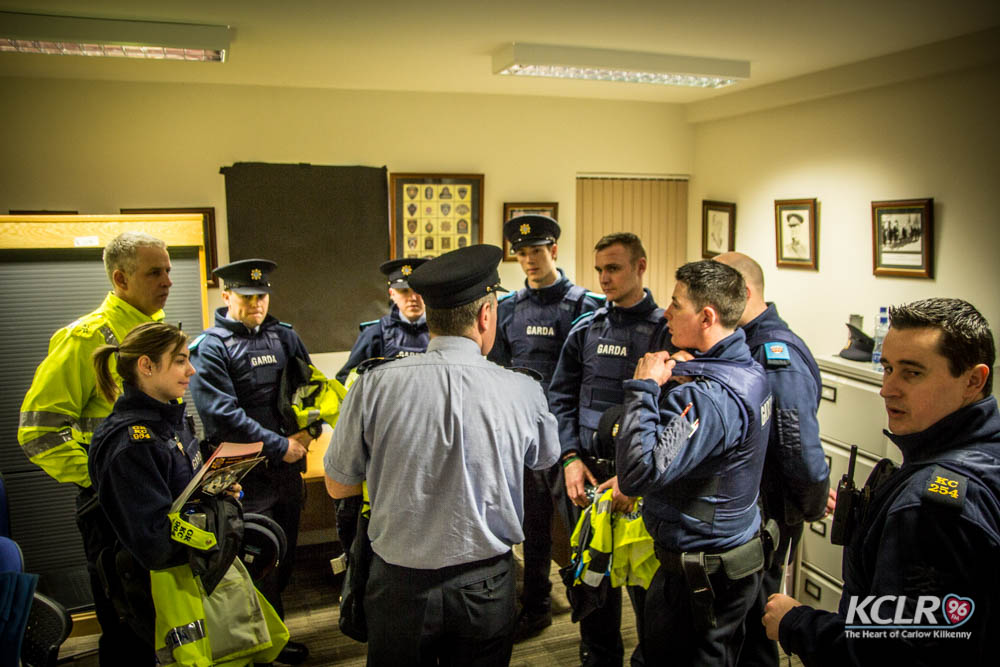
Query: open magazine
[227, 465]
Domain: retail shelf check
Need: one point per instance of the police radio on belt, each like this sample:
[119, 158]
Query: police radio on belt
[847, 500]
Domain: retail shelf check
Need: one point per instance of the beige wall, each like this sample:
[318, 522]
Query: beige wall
[96, 146]
[936, 137]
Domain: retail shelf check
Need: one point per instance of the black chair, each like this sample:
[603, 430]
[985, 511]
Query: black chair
[49, 625]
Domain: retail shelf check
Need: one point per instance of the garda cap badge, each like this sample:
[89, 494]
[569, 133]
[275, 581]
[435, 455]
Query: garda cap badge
[406, 270]
[255, 274]
[525, 229]
[140, 433]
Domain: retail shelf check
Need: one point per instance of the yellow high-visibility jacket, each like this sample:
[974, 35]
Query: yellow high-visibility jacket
[63, 407]
[619, 546]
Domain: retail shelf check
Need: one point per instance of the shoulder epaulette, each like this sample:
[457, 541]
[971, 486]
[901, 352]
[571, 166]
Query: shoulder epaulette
[219, 332]
[140, 432]
[87, 325]
[946, 487]
[194, 344]
[507, 296]
[369, 364]
[365, 325]
[589, 313]
[599, 297]
[776, 354]
[285, 324]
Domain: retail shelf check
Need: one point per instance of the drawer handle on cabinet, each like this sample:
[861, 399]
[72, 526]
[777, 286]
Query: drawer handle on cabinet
[818, 527]
[829, 393]
[813, 590]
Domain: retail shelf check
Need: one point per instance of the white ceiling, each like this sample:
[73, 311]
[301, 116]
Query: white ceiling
[446, 46]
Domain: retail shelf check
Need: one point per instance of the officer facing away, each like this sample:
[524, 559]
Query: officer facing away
[532, 325]
[923, 541]
[240, 362]
[400, 333]
[600, 352]
[796, 477]
[694, 451]
[63, 407]
[445, 489]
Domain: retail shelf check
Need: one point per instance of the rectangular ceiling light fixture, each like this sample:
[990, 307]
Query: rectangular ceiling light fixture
[570, 62]
[122, 38]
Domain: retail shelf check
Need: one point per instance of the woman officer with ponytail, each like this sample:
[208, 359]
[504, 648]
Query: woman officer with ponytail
[141, 458]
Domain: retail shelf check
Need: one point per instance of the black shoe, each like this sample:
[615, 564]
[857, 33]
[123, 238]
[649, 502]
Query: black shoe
[294, 653]
[530, 624]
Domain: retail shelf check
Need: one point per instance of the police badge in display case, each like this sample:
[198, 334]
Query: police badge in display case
[435, 213]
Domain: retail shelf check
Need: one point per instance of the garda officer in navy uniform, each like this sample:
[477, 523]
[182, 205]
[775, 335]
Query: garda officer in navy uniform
[924, 535]
[694, 451]
[445, 488]
[239, 362]
[796, 478]
[600, 352]
[400, 333]
[532, 325]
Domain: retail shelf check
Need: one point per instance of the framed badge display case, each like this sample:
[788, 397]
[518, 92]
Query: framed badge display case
[434, 213]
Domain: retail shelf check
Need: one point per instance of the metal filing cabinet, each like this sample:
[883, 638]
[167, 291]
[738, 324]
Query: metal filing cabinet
[851, 413]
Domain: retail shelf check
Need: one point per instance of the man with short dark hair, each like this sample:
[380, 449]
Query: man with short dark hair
[600, 352]
[694, 451]
[532, 324]
[63, 407]
[445, 487]
[920, 575]
[796, 477]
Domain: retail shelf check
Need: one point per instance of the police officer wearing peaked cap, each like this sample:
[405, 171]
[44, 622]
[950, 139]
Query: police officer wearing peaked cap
[240, 361]
[400, 333]
[532, 325]
[441, 588]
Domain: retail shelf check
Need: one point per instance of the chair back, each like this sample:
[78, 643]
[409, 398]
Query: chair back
[11, 558]
[49, 625]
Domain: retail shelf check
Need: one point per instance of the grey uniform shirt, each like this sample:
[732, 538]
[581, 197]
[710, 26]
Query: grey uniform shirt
[442, 438]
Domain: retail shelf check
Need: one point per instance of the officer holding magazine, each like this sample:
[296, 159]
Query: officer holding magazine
[142, 458]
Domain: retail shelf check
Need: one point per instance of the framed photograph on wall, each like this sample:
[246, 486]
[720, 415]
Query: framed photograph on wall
[903, 238]
[514, 209]
[208, 223]
[434, 213]
[718, 228]
[795, 226]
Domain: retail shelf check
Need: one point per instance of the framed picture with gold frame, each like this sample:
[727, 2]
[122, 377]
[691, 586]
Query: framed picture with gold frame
[718, 227]
[208, 222]
[795, 233]
[514, 209]
[434, 213]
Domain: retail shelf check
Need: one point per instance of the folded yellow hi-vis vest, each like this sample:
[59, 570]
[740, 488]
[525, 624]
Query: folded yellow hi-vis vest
[233, 626]
[614, 545]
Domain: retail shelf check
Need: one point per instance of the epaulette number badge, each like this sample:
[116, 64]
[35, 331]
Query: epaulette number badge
[141, 433]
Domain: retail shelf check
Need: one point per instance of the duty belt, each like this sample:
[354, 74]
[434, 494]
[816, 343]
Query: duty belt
[602, 469]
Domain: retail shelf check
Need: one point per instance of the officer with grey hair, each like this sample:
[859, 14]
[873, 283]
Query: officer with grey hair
[63, 407]
[446, 490]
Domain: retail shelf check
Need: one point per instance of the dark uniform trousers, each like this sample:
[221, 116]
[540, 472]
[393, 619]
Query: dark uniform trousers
[670, 635]
[119, 644]
[462, 615]
[544, 493]
[276, 492]
[758, 650]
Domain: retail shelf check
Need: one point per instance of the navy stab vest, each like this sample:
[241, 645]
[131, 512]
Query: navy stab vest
[401, 339]
[255, 367]
[611, 352]
[718, 500]
[538, 330]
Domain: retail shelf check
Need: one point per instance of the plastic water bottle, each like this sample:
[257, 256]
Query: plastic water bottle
[881, 329]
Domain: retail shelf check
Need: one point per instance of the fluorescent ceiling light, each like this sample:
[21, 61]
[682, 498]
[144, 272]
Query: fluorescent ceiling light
[570, 62]
[80, 36]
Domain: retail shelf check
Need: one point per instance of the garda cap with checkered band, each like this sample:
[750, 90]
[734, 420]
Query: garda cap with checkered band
[247, 276]
[398, 271]
[458, 277]
[527, 230]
